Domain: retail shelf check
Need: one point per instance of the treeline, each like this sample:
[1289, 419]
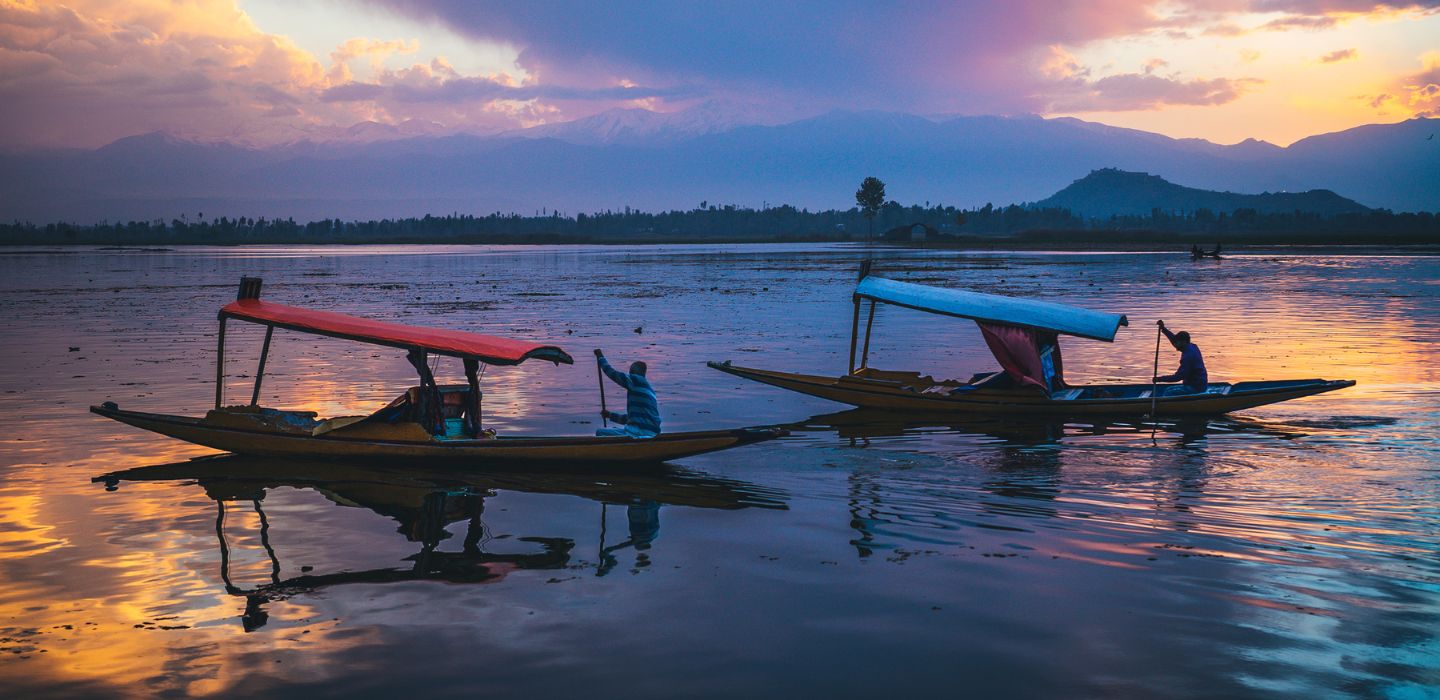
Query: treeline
[893, 222]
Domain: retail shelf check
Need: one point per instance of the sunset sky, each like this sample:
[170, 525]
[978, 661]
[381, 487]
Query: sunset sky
[81, 73]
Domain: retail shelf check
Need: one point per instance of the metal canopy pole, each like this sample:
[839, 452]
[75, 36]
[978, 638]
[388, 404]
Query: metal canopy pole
[260, 373]
[220, 366]
[854, 334]
[865, 354]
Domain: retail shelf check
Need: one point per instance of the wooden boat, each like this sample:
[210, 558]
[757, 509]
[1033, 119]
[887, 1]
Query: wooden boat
[1023, 335]
[1198, 253]
[428, 423]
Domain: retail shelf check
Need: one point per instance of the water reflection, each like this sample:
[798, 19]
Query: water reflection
[1021, 483]
[424, 504]
[860, 426]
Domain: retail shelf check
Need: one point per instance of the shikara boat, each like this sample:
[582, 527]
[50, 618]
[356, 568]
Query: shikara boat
[1023, 335]
[428, 423]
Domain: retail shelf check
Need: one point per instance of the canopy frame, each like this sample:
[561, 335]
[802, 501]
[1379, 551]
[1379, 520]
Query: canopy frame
[1093, 324]
[250, 289]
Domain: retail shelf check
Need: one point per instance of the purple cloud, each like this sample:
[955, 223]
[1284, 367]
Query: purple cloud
[850, 53]
[457, 90]
[1139, 91]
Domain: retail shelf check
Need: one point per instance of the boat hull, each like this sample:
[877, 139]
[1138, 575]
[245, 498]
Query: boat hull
[893, 395]
[489, 452]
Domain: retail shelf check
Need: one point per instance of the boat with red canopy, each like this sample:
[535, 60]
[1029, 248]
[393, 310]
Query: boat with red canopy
[428, 423]
[1023, 335]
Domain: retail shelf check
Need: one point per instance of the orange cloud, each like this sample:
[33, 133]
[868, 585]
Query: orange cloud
[1422, 90]
[1341, 55]
[90, 71]
[101, 70]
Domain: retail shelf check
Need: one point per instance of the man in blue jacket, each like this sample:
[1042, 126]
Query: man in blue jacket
[1191, 374]
[642, 410]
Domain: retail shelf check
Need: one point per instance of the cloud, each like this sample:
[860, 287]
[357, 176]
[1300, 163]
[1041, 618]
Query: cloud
[1311, 15]
[1421, 90]
[1413, 95]
[1301, 22]
[90, 71]
[375, 50]
[87, 71]
[838, 53]
[1146, 91]
[1341, 55]
[1323, 7]
[460, 90]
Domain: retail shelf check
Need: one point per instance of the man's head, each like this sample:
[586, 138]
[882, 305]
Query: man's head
[1181, 340]
[638, 367]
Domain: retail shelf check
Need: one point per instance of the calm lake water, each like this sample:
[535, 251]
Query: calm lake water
[1287, 551]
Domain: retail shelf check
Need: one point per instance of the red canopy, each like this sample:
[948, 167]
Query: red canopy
[486, 348]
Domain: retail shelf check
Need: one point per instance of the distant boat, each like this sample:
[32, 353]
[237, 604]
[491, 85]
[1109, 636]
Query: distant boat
[1023, 335]
[1198, 253]
[428, 423]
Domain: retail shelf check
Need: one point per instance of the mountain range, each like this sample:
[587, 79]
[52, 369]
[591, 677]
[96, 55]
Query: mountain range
[658, 161]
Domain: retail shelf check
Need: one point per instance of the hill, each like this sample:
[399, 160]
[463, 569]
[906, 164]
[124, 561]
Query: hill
[1111, 192]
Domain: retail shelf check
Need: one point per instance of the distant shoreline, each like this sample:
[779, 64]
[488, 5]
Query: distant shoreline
[996, 245]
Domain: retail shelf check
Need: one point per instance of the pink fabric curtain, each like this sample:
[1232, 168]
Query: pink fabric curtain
[1018, 352]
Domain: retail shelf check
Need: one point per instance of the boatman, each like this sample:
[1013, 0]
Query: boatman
[1191, 374]
[642, 410]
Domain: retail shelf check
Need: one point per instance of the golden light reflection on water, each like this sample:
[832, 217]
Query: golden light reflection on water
[115, 625]
[1333, 484]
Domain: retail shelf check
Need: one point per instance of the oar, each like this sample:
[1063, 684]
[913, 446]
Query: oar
[1154, 385]
[600, 374]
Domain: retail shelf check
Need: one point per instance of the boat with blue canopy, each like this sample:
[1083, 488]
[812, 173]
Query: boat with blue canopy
[1024, 337]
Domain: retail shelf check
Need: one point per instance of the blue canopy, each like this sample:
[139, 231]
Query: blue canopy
[992, 308]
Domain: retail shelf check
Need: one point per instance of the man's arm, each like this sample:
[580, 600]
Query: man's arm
[620, 418]
[1187, 367]
[615, 375]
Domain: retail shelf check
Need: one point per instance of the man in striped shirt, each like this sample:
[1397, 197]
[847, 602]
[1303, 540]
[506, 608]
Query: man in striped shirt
[641, 418]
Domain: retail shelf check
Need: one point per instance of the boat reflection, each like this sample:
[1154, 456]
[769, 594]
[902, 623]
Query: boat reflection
[1026, 475]
[425, 503]
[861, 425]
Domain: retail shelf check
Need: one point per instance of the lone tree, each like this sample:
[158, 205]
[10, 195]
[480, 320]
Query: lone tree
[870, 197]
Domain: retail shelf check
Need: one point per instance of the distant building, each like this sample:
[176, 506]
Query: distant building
[911, 232]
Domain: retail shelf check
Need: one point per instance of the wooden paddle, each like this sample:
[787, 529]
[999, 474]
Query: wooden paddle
[600, 374]
[1155, 385]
